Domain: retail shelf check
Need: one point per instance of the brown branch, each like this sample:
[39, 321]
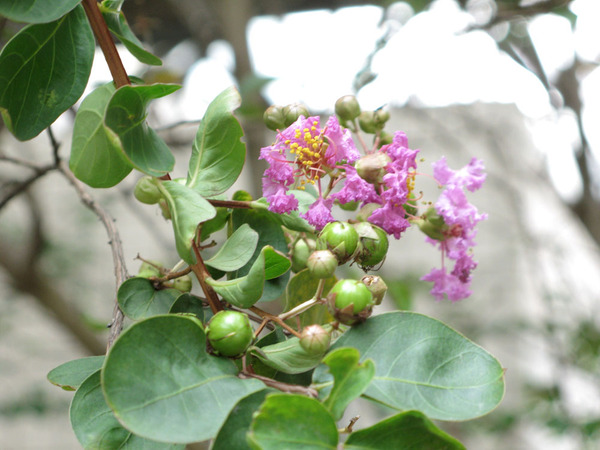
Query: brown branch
[272, 318]
[230, 204]
[280, 385]
[116, 324]
[202, 274]
[23, 185]
[106, 43]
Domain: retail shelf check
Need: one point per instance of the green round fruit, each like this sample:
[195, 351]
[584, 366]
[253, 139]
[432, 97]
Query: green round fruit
[315, 340]
[292, 112]
[371, 168]
[366, 121]
[346, 293]
[373, 245]
[300, 253]
[146, 191]
[274, 118]
[347, 107]
[322, 263]
[340, 238]
[183, 284]
[230, 333]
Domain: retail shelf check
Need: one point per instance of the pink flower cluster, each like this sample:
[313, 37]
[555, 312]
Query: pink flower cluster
[460, 217]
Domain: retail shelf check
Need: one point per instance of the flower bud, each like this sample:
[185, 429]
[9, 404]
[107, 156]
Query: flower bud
[315, 340]
[146, 191]
[350, 206]
[150, 269]
[366, 122]
[274, 117]
[300, 253]
[183, 284]
[376, 286]
[373, 245]
[371, 168]
[339, 237]
[347, 107]
[322, 263]
[292, 112]
[350, 301]
[380, 117]
[229, 333]
[432, 225]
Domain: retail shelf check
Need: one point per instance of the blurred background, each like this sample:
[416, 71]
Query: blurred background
[515, 83]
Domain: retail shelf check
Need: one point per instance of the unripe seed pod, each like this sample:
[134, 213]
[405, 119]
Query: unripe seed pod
[347, 107]
[230, 333]
[292, 112]
[300, 253]
[339, 237]
[366, 122]
[380, 117]
[373, 245]
[376, 286]
[315, 340]
[371, 168]
[432, 224]
[183, 284]
[150, 269]
[322, 263]
[350, 301]
[274, 117]
[146, 191]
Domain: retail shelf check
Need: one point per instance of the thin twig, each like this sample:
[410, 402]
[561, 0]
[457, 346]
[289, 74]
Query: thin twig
[272, 318]
[23, 185]
[116, 324]
[280, 385]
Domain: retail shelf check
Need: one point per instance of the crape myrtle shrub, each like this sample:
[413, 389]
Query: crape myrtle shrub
[213, 365]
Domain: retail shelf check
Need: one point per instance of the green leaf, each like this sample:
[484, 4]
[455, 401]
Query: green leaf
[36, 11]
[138, 299]
[292, 422]
[188, 209]
[95, 425]
[162, 385]
[422, 364]
[245, 291]
[232, 434]
[270, 233]
[117, 24]
[410, 430]
[70, 375]
[287, 356]
[44, 69]
[188, 304]
[236, 251]
[302, 287]
[126, 116]
[215, 224]
[291, 221]
[96, 155]
[350, 377]
[218, 154]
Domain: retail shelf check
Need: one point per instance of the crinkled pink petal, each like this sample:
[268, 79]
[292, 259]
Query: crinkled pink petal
[341, 146]
[319, 213]
[391, 219]
[447, 284]
[356, 189]
[471, 176]
[402, 156]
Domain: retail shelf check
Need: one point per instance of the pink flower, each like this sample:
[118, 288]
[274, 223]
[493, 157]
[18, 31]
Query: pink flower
[319, 213]
[447, 284]
[391, 218]
[356, 189]
[471, 176]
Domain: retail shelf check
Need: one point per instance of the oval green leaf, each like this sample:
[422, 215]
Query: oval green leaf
[96, 155]
[97, 428]
[126, 117]
[302, 287]
[291, 220]
[245, 291]
[218, 154]
[44, 69]
[410, 430]
[350, 379]
[162, 385]
[117, 24]
[232, 434]
[287, 357]
[292, 422]
[70, 375]
[189, 304]
[236, 251]
[422, 364]
[188, 210]
[36, 11]
[138, 299]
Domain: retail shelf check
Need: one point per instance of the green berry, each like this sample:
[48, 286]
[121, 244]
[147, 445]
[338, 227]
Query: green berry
[146, 191]
[300, 253]
[366, 121]
[183, 284]
[371, 168]
[346, 293]
[315, 340]
[339, 237]
[347, 107]
[274, 117]
[322, 263]
[373, 245]
[230, 333]
[293, 112]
